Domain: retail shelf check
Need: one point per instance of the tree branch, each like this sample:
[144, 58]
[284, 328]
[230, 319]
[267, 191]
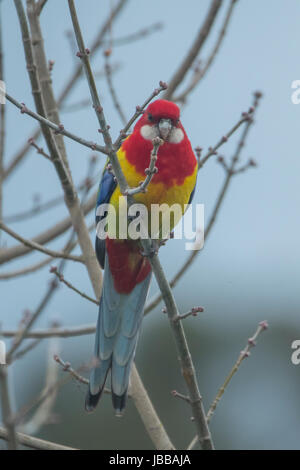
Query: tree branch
[35, 246]
[39, 6]
[194, 51]
[112, 89]
[54, 332]
[61, 227]
[201, 71]
[148, 414]
[34, 442]
[11, 436]
[263, 325]
[57, 128]
[68, 284]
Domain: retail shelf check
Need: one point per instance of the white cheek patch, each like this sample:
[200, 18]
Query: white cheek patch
[176, 136]
[149, 132]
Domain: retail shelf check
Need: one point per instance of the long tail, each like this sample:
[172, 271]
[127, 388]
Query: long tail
[118, 326]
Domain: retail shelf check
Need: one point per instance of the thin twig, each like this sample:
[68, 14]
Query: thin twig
[25, 328]
[193, 312]
[46, 236]
[139, 110]
[23, 271]
[54, 332]
[188, 60]
[42, 414]
[112, 90]
[45, 206]
[213, 150]
[36, 266]
[263, 325]
[36, 246]
[39, 150]
[26, 349]
[57, 128]
[201, 71]
[141, 34]
[67, 368]
[68, 284]
[147, 413]
[34, 442]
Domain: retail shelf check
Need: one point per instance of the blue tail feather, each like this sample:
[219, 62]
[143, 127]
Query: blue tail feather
[119, 321]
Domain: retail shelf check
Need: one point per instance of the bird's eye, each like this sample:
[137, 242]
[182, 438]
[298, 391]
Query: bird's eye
[150, 117]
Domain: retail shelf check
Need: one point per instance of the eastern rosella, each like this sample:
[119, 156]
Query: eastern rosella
[127, 272]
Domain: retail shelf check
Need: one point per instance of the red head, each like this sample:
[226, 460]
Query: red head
[161, 118]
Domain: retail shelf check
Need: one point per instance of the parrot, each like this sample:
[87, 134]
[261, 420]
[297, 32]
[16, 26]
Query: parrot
[127, 271]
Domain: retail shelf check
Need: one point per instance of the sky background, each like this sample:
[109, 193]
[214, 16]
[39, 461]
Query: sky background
[249, 268]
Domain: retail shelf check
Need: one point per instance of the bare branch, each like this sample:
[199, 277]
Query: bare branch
[263, 325]
[39, 150]
[57, 128]
[35, 246]
[12, 440]
[201, 71]
[42, 415]
[246, 117]
[68, 284]
[13, 252]
[148, 414]
[194, 51]
[138, 112]
[25, 328]
[35, 267]
[23, 271]
[34, 442]
[39, 6]
[113, 93]
[141, 34]
[182, 397]
[18, 157]
[54, 332]
[26, 349]
[193, 312]
[45, 206]
[67, 368]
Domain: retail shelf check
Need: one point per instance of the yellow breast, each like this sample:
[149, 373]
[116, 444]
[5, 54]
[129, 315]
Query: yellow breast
[157, 194]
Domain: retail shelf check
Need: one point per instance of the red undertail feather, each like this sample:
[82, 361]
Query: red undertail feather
[127, 265]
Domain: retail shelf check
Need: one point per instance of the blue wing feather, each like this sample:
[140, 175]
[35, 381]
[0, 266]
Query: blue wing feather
[192, 194]
[106, 188]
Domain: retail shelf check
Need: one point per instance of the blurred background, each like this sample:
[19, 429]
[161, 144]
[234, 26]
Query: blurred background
[248, 270]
